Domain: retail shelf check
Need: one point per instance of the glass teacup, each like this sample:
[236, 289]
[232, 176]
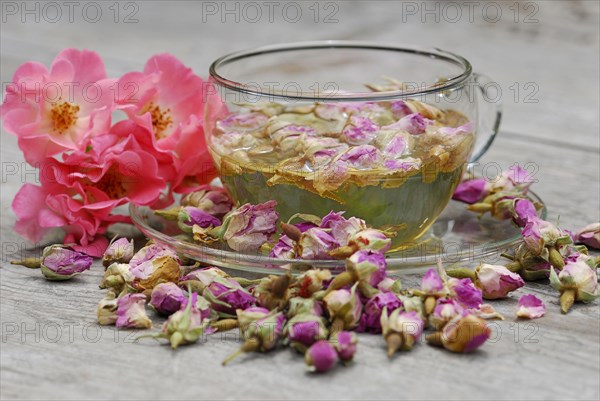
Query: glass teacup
[381, 132]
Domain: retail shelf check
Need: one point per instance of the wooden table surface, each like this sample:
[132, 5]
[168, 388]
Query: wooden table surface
[51, 346]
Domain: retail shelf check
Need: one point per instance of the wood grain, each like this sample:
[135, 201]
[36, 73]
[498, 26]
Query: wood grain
[52, 348]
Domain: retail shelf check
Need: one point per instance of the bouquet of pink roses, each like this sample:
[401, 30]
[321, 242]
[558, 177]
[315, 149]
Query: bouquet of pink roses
[91, 159]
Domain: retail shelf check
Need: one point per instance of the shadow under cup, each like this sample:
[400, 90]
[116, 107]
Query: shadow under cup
[383, 133]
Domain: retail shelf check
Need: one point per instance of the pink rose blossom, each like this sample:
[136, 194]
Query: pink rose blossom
[54, 110]
[167, 98]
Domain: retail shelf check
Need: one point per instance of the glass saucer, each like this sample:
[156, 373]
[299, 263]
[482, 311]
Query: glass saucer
[457, 236]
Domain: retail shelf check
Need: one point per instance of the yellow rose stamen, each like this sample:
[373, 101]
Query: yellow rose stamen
[63, 116]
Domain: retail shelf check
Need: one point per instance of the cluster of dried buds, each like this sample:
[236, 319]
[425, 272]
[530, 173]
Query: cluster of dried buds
[312, 311]
[545, 250]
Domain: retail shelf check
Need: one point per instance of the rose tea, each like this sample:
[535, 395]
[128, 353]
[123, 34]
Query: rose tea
[394, 164]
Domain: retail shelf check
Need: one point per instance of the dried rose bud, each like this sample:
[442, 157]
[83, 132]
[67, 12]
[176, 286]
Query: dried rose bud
[465, 292]
[226, 296]
[185, 326]
[315, 243]
[190, 216]
[107, 309]
[432, 282]
[214, 201]
[283, 248]
[131, 312]
[251, 314]
[300, 305]
[58, 263]
[304, 330]
[432, 287]
[388, 284]
[462, 334]
[530, 307]
[320, 357]
[524, 212]
[117, 277]
[161, 269]
[370, 320]
[149, 252]
[273, 292]
[119, 251]
[342, 229]
[250, 226]
[167, 298]
[496, 281]
[471, 191]
[311, 281]
[202, 305]
[261, 335]
[368, 266]
[445, 310]
[199, 279]
[344, 343]
[371, 238]
[577, 281]
[344, 308]
[589, 235]
[401, 330]
[542, 238]
[413, 304]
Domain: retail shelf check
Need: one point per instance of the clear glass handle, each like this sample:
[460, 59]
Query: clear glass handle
[490, 115]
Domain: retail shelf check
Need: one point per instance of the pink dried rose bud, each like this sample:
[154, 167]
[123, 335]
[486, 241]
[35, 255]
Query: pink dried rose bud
[577, 281]
[60, 263]
[315, 243]
[530, 307]
[214, 201]
[185, 326]
[371, 238]
[388, 284]
[589, 235]
[117, 277]
[304, 330]
[345, 343]
[432, 282]
[401, 330]
[370, 321]
[524, 212]
[471, 191]
[149, 252]
[301, 305]
[539, 234]
[368, 266]
[131, 312]
[496, 281]
[149, 274]
[445, 310]
[344, 308]
[273, 292]
[167, 298]
[226, 296]
[247, 228]
[320, 357]
[462, 334]
[465, 292]
[249, 315]
[119, 251]
[261, 335]
[312, 281]
[107, 309]
[342, 229]
[199, 279]
[190, 216]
